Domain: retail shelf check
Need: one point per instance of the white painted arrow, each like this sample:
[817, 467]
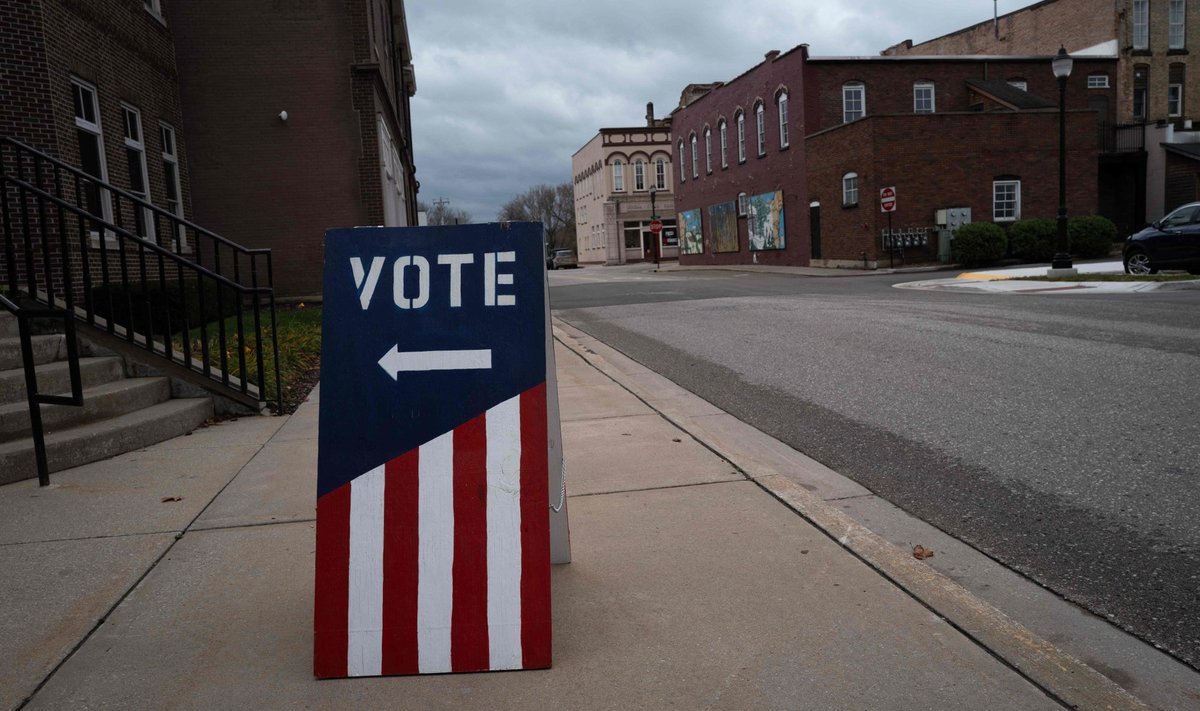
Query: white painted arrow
[395, 361]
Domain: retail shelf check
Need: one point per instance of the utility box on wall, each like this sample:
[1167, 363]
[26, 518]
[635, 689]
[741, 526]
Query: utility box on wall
[948, 220]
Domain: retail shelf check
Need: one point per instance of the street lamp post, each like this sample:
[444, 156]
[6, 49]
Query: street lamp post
[654, 216]
[1062, 69]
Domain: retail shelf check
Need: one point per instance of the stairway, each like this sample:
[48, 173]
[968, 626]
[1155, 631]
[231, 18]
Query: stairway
[119, 413]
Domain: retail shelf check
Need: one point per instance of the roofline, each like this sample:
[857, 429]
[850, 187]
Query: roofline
[721, 85]
[1008, 58]
[962, 30]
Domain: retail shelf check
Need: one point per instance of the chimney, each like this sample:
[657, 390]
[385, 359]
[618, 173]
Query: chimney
[772, 54]
[649, 114]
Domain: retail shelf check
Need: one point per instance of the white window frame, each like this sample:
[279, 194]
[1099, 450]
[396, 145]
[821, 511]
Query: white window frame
[782, 104]
[759, 114]
[138, 144]
[1097, 81]
[741, 136]
[743, 204]
[849, 90]
[390, 175]
[682, 162]
[96, 129]
[1140, 24]
[1021, 84]
[919, 100]
[639, 175]
[695, 157]
[707, 150]
[723, 129]
[618, 173]
[1176, 24]
[850, 190]
[170, 154]
[1174, 100]
[1006, 214]
[660, 174]
[154, 7]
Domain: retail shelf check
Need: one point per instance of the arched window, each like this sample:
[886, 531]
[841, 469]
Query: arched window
[762, 130]
[854, 101]
[695, 158]
[923, 98]
[682, 163]
[783, 119]
[724, 131]
[618, 175]
[708, 151]
[741, 136]
[850, 190]
[660, 174]
[639, 174]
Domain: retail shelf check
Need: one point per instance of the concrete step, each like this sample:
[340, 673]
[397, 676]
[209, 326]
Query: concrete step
[8, 324]
[106, 400]
[46, 349]
[105, 438]
[56, 377]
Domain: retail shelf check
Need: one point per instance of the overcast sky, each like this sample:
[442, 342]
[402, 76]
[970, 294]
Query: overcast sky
[507, 90]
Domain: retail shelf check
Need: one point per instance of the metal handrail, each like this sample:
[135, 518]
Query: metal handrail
[112, 252]
[33, 396]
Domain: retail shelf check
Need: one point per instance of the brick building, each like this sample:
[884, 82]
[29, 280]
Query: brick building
[615, 174]
[1155, 44]
[808, 143]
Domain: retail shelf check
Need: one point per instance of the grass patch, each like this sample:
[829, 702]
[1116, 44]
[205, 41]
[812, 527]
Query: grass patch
[1112, 277]
[299, 334]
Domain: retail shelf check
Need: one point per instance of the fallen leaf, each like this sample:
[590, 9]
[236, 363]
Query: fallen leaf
[676, 439]
[168, 499]
[920, 552]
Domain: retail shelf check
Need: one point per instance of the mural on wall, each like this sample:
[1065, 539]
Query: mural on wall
[722, 225]
[765, 221]
[693, 238]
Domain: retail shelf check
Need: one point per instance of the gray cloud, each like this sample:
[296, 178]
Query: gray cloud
[508, 90]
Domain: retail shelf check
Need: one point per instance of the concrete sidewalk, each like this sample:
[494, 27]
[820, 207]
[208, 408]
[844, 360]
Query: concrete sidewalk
[708, 573]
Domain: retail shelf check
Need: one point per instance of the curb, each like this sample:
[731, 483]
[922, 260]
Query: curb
[1060, 675]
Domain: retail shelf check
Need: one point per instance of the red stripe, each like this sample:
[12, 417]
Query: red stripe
[400, 565]
[332, 596]
[468, 623]
[535, 531]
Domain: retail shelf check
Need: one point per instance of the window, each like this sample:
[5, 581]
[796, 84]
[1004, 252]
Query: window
[639, 174]
[170, 162]
[1097, 81]
[708, 151]
[741, 136]
[1019, 83]
[762, 130]
[854, 102]
[135, 157]
[95, 199]
[1175, 25]
[695, 158]
[660, 174]
[923, 97]
[724, 131]
[1175, 86]
[850, 190]
[783, 120]
[1141, 83]
[394, 212]
[682, 163]
[1006, 200]
[743, 204]
[1141, 24]
[618, 176]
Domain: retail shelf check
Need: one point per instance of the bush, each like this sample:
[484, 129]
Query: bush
[978, 244]
[154, 306]
[1091, 236]
[1033, 240]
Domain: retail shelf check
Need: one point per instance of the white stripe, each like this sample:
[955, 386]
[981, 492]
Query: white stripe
[442, 360]
[504, 534]
[364, 615]
[435, 553]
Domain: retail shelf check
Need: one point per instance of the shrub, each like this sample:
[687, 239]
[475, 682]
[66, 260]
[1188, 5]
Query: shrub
[1091, 236]
[978, 244]
[139, 310]
[1033, 240]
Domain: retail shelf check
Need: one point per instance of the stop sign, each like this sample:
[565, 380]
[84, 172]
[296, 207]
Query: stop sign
[656, 226]
[887, 199]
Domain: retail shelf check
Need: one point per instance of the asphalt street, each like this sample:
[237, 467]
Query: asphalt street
[1054, 433]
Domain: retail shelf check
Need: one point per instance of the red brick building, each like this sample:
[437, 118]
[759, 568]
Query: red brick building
[824, 135]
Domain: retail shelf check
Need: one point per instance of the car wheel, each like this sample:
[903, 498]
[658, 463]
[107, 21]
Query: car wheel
[1138, 262]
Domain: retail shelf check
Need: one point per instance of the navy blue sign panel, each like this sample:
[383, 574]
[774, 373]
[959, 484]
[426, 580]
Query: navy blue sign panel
[423, 329]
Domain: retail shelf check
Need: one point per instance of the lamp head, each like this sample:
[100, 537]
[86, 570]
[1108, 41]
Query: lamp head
[1062, 63]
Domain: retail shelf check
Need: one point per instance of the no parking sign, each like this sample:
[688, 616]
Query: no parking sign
[433, 549]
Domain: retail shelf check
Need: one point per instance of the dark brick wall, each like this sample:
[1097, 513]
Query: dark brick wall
[26, 111]
[779, 169]
[940, 161]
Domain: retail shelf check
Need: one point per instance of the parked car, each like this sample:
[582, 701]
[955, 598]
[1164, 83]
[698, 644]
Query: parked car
[561, 258]
[1171, 243]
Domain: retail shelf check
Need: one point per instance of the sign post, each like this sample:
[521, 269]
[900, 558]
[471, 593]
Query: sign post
[433, 509]
[887, 203]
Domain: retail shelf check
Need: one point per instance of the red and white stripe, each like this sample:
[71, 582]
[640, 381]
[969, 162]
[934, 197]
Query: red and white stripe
[439, 560]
